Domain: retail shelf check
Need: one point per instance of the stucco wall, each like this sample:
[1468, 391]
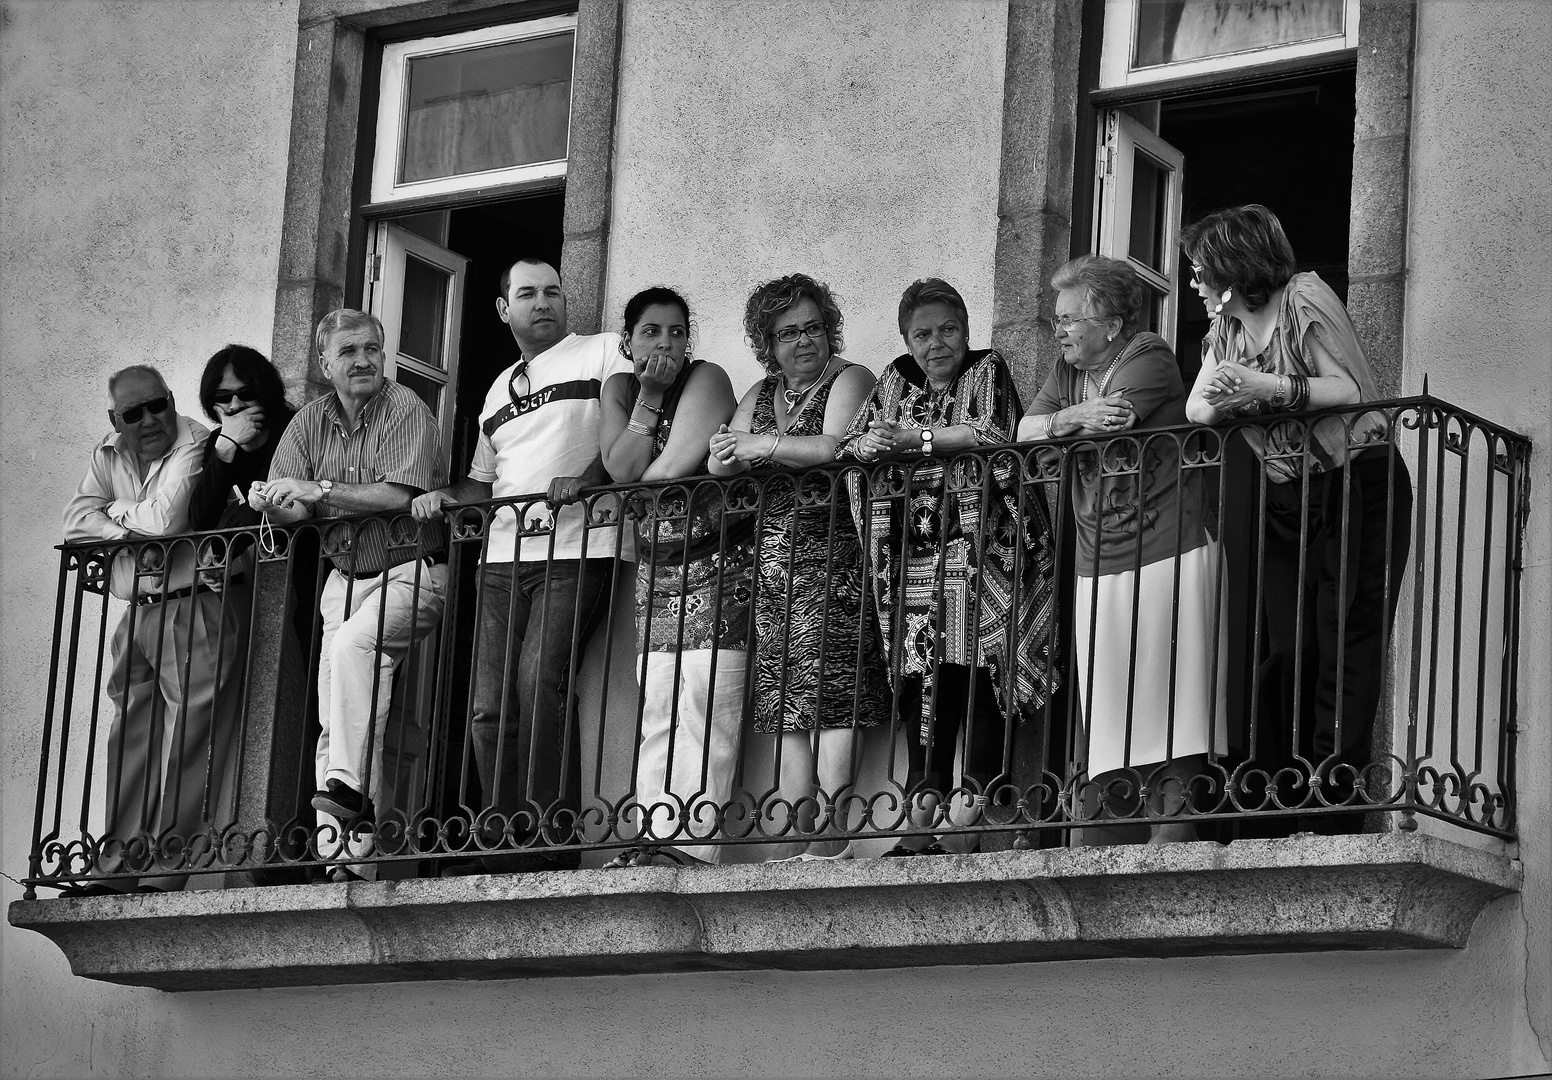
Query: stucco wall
[1479, 326]
[143, 164]
[855, 142]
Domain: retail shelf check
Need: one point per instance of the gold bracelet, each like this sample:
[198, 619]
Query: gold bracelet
[774, 447]
[649, 408]
[638, 427]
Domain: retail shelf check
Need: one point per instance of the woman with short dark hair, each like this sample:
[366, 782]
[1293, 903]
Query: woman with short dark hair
[1145, 602]
[963, 564]
[243, 393]
[1282, 342]
[819, 668]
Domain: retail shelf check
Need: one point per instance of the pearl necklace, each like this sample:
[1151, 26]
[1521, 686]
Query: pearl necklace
[1100, 385]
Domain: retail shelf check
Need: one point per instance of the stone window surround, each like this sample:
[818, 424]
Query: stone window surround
[1041, 128]
[1387, 890]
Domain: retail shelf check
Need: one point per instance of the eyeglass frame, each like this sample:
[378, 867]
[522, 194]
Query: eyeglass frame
[1060, 324]
[156, 406]
[813, 331]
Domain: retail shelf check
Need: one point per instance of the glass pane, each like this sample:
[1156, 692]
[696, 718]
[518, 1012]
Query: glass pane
[487, 108]
[1169, 31]
[424, 311]
[1149, 186]
[429, 390]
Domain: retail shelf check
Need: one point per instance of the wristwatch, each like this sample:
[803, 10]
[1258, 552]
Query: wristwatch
[327, 487]
[926, 439]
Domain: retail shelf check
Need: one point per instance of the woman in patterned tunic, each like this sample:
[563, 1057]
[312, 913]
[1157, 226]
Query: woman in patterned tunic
[692, 578]
[819, 667]
[964, 570]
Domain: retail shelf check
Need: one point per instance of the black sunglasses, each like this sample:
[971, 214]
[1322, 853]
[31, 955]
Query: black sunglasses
[222, 395]
[156, 406]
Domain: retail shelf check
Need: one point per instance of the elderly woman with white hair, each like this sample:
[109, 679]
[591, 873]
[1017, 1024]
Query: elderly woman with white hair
[1145, 604]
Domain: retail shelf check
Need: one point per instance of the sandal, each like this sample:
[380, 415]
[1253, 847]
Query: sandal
[625, 859]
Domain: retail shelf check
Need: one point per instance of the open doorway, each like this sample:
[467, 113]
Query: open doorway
[1286, 144]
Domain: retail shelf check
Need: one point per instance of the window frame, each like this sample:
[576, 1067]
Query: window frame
[392, 89]
[1120, 40]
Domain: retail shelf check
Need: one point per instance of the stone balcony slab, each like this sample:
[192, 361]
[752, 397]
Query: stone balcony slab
[1387, 891]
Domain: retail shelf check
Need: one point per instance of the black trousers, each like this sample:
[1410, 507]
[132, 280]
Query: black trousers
[1328, 621]
[932, 766]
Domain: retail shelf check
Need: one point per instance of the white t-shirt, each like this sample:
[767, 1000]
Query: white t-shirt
[547, 426]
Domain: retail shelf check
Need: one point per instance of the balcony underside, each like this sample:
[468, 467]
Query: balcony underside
[1388, 891]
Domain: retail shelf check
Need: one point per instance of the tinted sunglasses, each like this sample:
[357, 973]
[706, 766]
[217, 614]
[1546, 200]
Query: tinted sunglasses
[156, 406]
[222, 395]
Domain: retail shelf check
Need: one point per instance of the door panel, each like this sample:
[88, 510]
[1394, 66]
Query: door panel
[1137, 211]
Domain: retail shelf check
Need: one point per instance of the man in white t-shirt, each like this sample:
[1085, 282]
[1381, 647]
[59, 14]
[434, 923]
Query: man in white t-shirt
[538, 604]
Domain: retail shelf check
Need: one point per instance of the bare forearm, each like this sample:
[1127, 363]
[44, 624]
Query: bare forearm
[369, 498]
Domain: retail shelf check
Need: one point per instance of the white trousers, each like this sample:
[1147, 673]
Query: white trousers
[702, 722]
[353, 664]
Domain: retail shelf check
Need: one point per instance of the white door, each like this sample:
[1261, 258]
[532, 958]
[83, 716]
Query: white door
[1137, 211]
[416, 289]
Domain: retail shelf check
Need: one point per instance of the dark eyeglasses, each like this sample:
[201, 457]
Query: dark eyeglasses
[156, 406]
[222, 395]
[788, 334]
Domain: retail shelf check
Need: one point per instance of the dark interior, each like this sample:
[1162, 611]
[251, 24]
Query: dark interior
[1286, 143]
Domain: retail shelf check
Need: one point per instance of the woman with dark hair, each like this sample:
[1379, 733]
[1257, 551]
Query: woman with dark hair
[693, 577]
[963, 570]
[1145, 604]
[1282, 342]
[819, 668]
[244, 394]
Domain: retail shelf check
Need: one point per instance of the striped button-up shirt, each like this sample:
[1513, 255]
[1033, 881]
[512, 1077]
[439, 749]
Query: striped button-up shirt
[395, 442]
[117, 500]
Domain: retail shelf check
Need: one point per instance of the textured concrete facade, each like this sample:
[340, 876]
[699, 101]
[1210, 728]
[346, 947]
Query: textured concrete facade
[144, 157]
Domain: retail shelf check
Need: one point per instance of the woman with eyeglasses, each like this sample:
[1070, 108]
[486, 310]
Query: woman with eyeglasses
[963, 564]
[1338, 495]
[694, 570]
[244, 394]
[819, 668]
[1145, 598]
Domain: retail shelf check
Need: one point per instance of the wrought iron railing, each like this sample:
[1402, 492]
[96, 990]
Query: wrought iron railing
[951, 594]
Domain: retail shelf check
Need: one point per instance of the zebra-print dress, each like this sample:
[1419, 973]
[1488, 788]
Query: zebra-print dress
[818, 656]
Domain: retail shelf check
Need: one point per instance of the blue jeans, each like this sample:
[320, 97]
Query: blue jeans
[535, 620]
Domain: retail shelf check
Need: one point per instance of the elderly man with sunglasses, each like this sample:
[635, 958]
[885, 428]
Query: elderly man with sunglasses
[176, 669]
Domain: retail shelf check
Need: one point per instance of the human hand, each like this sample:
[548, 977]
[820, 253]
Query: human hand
[565, 489]
[657, 377]
[283, 494]
[1234, 388]
[882, 438]
[244, 426]
[1098, 416]
[428, 506]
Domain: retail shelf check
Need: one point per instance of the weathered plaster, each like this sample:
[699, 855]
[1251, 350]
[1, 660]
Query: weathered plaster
[854, 142]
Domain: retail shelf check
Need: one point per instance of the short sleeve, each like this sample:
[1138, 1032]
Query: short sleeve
[483, 467]
[291, 457]
[612, 361]
[1148, 380]
[1322, 338]
[408, 447]
[1050, 399]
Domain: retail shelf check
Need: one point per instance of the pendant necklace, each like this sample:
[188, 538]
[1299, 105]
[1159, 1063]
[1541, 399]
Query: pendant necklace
[794, 398]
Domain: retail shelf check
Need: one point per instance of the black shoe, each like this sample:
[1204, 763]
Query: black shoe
[900, 851]
[98, 889]
[462, 868]
[342, 801]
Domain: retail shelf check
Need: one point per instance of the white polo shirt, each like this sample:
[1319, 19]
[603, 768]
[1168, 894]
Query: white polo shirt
[543, 427]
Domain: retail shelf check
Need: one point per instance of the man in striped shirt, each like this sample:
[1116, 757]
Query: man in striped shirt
[368, 448]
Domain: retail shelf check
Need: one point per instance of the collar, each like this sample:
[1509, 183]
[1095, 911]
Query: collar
[336, 410]
[115, 439]
[912, 373]
[527, 361]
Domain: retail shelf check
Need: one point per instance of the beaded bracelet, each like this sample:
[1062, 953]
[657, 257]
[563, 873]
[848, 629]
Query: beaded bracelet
[649, 408]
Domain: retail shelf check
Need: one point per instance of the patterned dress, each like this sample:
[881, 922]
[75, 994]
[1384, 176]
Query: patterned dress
[694, 564]
[962, 563]
[818, 657]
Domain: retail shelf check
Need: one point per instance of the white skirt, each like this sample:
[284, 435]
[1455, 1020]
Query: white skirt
[1103, 615]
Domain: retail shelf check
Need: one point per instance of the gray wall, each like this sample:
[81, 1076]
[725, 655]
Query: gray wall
[143, 163]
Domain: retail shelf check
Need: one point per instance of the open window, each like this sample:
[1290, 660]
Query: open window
[1137, 200]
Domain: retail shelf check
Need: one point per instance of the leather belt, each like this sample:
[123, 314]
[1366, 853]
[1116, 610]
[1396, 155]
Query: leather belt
[178, 594]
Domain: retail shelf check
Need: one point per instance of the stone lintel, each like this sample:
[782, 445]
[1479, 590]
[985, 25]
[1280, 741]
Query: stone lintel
[1380, 891]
